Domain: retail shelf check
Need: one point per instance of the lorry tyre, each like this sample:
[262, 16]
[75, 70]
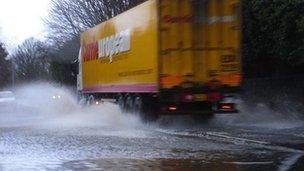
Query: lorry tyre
[82, 102]
[90, 100]
[137, 104]
[149, 110]
[120, 101]
[128, 103]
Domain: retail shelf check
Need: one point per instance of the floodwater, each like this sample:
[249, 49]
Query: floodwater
[47, 133]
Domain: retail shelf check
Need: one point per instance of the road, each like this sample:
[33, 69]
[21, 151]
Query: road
[103, 138]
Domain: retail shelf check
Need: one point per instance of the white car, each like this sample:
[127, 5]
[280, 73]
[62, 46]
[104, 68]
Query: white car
[7, 101]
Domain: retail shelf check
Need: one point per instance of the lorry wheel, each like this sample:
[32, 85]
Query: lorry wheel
[137, 106]
[149, 110]
[91, 100]
[128, 104]
[120, 102]
[82, 102]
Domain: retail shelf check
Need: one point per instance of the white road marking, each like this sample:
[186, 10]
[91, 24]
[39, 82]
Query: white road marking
[250, 163]
[289, 162]
[245, 140]
[235, 140]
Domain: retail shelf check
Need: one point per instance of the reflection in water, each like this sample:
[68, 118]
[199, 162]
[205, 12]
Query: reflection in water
[162, 164]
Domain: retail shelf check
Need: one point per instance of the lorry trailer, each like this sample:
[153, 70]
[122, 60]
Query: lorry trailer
[165, 57]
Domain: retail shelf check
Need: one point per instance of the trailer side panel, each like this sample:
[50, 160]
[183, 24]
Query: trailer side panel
[120, 54]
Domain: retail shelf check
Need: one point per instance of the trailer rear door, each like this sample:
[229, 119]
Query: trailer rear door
[199, 42]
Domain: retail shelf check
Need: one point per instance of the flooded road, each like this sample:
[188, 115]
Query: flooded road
[62, 136]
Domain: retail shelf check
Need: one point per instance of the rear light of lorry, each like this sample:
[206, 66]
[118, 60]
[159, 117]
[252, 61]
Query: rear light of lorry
[169, 108]
[172, 108]
[226, 106]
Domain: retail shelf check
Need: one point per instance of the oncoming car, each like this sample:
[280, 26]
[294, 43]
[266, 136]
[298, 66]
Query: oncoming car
[56, 97]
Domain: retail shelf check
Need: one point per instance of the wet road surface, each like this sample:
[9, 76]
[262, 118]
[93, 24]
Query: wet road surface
[60, 135]
[96, 140]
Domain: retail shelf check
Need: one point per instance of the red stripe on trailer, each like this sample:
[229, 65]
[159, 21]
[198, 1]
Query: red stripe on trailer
[139, 88]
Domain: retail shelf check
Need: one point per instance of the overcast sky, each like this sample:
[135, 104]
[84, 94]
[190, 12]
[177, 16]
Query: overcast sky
[21, 19]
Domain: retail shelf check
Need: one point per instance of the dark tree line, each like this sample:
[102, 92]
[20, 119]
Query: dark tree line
[31, 61]
[5, 67]
[273, 37]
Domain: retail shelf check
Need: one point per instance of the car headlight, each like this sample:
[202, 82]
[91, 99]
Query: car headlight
[56, 96]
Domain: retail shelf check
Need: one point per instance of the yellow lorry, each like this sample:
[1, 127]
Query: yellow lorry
[165, 57]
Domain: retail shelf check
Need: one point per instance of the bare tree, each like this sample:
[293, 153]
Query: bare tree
[68, 18]
[5, 70]
[31, 60]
